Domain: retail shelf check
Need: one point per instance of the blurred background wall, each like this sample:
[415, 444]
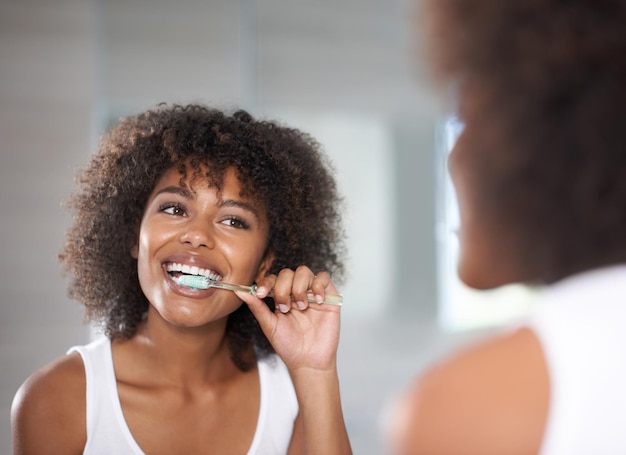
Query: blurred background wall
[346, 71]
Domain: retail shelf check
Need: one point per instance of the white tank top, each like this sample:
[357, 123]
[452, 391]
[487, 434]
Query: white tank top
[581, 324]
[108, 433]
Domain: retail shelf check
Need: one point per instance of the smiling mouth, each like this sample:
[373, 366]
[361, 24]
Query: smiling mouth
[176, 270]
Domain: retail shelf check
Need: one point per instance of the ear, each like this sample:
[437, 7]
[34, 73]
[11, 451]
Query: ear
[266, 264]
[134, 250]
[134, 244]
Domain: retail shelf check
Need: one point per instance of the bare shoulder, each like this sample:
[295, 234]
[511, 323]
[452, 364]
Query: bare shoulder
[48, 411]
[490, 398]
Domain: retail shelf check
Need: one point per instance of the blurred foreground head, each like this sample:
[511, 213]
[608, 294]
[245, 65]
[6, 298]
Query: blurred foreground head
[540, 168]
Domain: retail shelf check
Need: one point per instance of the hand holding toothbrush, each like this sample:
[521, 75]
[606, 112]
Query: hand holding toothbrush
[304, 334]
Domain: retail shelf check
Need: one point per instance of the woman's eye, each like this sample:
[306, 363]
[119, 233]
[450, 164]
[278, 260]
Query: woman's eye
[172, 209]
[236, 222]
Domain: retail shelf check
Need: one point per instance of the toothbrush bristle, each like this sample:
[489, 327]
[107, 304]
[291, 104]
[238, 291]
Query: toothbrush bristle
[194, 281]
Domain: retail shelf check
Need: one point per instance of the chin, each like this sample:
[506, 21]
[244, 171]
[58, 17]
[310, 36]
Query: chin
[484, 279]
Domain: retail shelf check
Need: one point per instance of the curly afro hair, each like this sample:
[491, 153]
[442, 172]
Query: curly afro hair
[281, 168]
[547, 79]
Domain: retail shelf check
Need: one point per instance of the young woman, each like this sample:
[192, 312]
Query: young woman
[190, 191]
[540, 174]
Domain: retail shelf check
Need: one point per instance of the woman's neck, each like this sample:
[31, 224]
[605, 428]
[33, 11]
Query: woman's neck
[184, 356]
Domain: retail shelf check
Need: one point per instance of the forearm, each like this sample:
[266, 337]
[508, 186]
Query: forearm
[323, 427]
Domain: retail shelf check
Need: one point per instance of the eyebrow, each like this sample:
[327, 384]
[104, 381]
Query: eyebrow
[184, 192]
[242, 205]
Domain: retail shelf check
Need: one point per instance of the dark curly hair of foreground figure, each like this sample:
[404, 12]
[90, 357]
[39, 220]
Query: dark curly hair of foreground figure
[544, 81]
[281, 168]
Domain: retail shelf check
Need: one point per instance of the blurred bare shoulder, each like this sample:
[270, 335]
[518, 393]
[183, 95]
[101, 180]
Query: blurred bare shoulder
[491, 398]
[48, 411]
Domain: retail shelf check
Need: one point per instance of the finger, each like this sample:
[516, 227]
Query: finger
[320, 285]
[283, 288]
[264, 285]
[262, 313]
[301, 284]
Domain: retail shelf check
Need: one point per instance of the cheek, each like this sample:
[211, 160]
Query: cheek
[477, 264]
[143, 262]
[147, 244]
[247, 261]
[148, 269]
[151, 235]
[143, 246]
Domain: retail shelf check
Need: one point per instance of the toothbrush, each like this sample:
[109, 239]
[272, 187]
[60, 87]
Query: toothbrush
[202, 282]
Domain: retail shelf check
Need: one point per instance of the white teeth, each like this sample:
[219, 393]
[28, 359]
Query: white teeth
[192, 270]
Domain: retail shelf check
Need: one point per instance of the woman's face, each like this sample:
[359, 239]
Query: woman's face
[224, 236]
[487, 253]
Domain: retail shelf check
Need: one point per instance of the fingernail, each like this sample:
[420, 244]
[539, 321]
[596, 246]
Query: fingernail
[283, 308]
[319, 298]
[261, 291]
[301, 305]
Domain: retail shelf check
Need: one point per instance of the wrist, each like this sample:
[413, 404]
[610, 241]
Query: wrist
[314, 378]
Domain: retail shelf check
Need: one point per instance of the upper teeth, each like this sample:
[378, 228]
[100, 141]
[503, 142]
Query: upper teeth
[192, 270]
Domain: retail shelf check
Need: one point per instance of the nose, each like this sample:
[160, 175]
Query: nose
[197, 235]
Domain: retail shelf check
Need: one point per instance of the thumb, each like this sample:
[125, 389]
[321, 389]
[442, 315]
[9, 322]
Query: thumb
[260, 310]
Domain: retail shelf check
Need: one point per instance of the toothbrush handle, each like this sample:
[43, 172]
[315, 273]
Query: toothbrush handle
[329, 299]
